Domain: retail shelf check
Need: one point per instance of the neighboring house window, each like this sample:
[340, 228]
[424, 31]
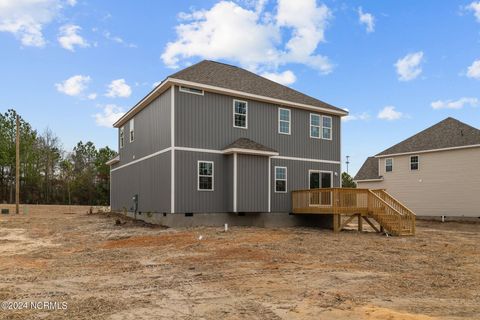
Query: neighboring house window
[132, 130]
[327, 128]
[240, 114]
[284, 121]
[191, 90]
[389, 165]
[314, 126]
[122, 137]
[205, 175]
[414, 163]
[280, 179]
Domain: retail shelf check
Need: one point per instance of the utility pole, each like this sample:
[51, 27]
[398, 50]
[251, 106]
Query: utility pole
[348, 162]
[17, 168]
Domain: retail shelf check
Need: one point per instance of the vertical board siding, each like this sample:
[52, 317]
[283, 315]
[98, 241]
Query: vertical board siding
[187, 197]
[152, 130]
[150, 179]
[297, 179]
[206, 122]
[252, 183]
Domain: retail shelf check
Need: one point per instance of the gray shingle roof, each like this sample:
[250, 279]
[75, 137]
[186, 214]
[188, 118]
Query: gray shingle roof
[445, 134]
[369, 170]
[244, 143]
[235, 78]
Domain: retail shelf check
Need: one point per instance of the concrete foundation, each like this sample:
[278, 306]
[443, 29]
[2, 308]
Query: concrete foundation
[262, 219]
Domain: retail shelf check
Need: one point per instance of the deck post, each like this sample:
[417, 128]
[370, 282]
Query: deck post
[360, 222]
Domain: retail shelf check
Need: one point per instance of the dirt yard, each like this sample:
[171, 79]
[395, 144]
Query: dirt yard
[130, 270]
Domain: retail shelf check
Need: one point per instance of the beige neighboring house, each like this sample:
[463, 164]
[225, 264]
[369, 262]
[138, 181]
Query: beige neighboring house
[435, 172]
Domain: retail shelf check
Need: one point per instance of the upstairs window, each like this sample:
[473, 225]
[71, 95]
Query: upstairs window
[132, 130]
[315, 126]
[122, 137]
[240, 114]
[389, 165]
[205, 176]
[284, 121]
[414, 163]
[280, 179]
[191, 90]
[327, 127]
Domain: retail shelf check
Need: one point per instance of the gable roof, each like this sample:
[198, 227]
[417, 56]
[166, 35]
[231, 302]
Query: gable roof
[234, 78]
[449, 133]
[227, 79]
[244, 145]
[369, 170]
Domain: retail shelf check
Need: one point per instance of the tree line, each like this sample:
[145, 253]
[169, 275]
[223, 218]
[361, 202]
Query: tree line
[48, 173]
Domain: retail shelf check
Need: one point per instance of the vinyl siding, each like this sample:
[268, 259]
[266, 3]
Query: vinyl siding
[150, 179]
[206, 122]
[252, 183]
[447, 182]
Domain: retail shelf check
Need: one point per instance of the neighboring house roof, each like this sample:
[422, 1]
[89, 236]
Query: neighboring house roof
[449, 133]
[235, 78]
[244, 145]
[227, 79]
[369, 170]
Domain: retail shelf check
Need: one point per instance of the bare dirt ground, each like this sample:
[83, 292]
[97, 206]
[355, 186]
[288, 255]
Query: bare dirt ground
[103, 270]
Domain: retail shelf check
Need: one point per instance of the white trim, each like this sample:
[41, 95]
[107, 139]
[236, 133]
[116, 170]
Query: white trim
[131, 129]
[170, 81]
[386, 165]
[198, 175]
[172, 136]
[306, 159]
[234, 182]
[289, 121]
[319, 126]
[250, 151]
[198, 150]
[331, 128]
[143, 158]
[369, 180]
[418, 162]
[113, 160]
[286, 179]
[269, 184]
[235, 113]
[122, 137]
[187, 90]
[426, 151]
[320, 171]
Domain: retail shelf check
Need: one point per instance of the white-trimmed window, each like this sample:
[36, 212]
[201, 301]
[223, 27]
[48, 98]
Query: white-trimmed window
[414, 163]
[326, 127]
[191, 90]
[388, 165]
[132, 130]
[280, 179]
[240, 114]
[315, 125]
[122, 137]
[284, 121]
[205, 176]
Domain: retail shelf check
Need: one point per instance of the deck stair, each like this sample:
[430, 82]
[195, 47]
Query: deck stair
[390, 214]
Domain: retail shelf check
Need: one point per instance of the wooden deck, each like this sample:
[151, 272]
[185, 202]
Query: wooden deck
[364, 204]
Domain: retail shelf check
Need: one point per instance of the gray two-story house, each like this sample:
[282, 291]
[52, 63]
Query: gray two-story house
[215, 138]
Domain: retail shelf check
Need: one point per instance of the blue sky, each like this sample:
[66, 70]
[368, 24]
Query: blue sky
[398, 66]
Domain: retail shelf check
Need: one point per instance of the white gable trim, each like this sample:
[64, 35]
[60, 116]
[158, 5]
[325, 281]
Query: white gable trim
[426, 151]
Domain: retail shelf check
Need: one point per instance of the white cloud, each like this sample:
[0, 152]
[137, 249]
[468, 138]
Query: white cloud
[119, 89]
[475, 7]
[73, 86]
[367, 19]
[110, 114]
[408, 67]
[92, 96]
[353, 117]
[69, 37]
[26, 18]
[474, 70]
[72, 2]
[454, 104]
[389, 113]
[287, 77]
[118, 40]
[257, 43]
